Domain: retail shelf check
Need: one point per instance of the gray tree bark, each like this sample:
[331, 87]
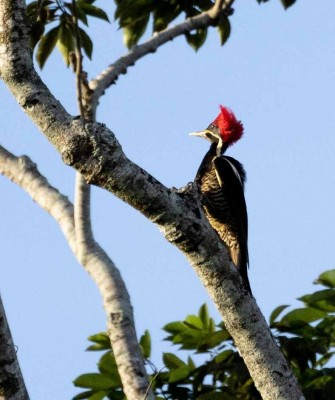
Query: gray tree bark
[12, 385]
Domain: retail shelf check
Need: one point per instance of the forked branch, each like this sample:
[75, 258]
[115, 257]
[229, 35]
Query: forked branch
[120, 323]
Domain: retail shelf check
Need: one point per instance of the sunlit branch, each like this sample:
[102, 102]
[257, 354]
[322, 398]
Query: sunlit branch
[120, 66]
[120, 323]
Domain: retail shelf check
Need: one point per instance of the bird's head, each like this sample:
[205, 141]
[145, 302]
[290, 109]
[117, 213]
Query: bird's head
[225, 130]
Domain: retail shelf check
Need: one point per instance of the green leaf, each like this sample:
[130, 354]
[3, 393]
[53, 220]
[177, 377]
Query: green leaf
[65, 42]
[96, 347]
[84, 395]
[46, 45]
[191, 364]
[179, 374]
[145, 343]
[323, 360]
[132, 33]
[276, 312]
[287, 3]
[217, 338]
[224, 29]
[204, 316]
[303, 314]
[327, 278]
[191, 339]
[323, 300]
[175, 327]
[107, 366]
[95, 381]
[82, 16]
[101, 339]
[172, 362]
[93, 11]
[319, 382]
[211, 327]
[223, 356]
[196, 40]
[194, 322]
[129, 11]
[86, 43]
[100, 395]
[165, 13]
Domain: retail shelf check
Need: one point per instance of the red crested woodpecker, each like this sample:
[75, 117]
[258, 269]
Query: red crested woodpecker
[221, 181]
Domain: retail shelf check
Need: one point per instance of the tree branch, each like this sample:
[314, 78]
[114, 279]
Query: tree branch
[94, 151]
[117, 306]
[128, 356]
[12, 385]
[107, 77]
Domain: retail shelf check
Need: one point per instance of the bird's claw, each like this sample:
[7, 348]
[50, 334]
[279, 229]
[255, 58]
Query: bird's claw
[190, 187]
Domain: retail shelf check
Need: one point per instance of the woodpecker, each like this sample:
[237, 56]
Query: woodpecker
[221, 181]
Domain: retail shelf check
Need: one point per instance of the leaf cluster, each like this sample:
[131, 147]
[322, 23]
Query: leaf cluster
[53, 23]
[134, 16]
[306, 336]
[213, 368]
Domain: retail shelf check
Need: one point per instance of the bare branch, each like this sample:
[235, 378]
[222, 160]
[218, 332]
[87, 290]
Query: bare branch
[23, 172]
[111, 74]
[120, 322]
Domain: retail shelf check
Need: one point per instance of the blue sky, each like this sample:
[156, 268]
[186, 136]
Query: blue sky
[277, 72]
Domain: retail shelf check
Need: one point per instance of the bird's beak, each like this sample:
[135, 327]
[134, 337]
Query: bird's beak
[202, 134]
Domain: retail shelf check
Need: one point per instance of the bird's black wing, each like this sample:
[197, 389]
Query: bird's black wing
[231, 176]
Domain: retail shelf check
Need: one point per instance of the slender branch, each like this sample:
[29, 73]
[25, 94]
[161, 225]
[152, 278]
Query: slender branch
[24, 173]
[82, 204]
[120, 66]
[120, 321]
[82, 208]
[12, 385]
[78, 67]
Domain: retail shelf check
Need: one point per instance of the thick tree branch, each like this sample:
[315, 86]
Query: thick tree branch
[12, 385]
[120, 322]
[120, 66]
[94, 151]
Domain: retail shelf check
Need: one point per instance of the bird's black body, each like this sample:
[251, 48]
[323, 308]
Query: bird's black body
[221, 181]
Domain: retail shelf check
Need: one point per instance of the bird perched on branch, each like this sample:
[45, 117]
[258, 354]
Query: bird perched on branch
[221, 181]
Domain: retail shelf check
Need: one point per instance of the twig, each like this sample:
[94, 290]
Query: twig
[151, 383]
[78, 67]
